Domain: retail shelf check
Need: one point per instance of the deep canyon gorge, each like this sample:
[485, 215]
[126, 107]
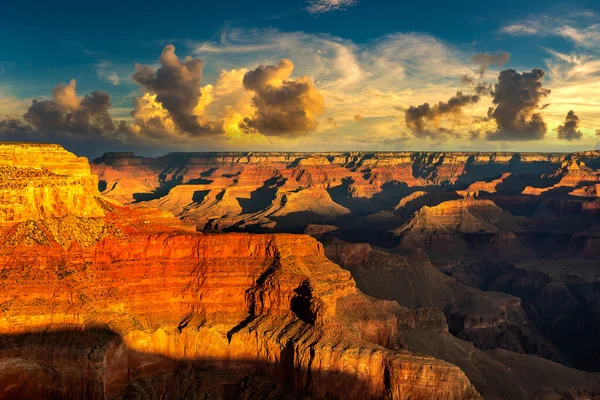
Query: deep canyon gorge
[299, 275]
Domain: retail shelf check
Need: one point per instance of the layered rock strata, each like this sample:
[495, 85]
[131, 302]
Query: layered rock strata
[127, 303]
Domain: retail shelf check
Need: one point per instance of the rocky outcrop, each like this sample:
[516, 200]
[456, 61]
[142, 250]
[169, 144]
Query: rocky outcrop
[39, 181]
[411, 197]
[462, 216]
[572, 173]
[475, 188]
[474, 215]
[488, 319]
[319, 230]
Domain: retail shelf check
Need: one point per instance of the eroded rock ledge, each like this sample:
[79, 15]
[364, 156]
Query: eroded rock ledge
[40, 181]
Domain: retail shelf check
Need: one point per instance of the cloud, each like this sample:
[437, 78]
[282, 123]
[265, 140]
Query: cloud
[419, 119]
[575, 80]
[400, 140]
[395, 70]
[113, 73]
[284, 107]
[413, 55]
[152, 119]
[373, 79]
[484, 60]
[65, 113]
[14, 128]
[11, 105]
[467, 79]
[80, 124]
[517, 97]
[483, 89]
[524, 28]
[587, 37]
[498, 59]
[580, 28]
[331, 61]
[568, 130]
[324, 6]
[572, 66]
[177, 86]
[474, 135]
[377, 78]
[65, 96]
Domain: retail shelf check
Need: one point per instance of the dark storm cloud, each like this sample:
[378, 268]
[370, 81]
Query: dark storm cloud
[284, 107]
[569, 129]
[177, 86]
[517, 98]
[419, 119]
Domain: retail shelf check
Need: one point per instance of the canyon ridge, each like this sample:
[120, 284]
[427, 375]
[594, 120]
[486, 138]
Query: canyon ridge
[297, 275]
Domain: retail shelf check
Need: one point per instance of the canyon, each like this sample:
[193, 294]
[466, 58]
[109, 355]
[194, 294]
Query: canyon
[296, 275]
[100, 300]
[517, 234]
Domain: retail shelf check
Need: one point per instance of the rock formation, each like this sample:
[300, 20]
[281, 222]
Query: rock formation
[484, 264]
[40, 181]
[235, 186]
[476, 216]
[130, 303]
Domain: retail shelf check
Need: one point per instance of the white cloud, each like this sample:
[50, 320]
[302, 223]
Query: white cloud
[581, 28]
[522, 29]
[115, 74]
[323, 6]
[588, 37]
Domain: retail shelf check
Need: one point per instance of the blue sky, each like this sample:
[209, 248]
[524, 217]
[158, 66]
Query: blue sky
[375, 58]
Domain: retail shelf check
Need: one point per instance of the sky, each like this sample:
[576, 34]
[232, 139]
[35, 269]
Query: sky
[303, 75]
